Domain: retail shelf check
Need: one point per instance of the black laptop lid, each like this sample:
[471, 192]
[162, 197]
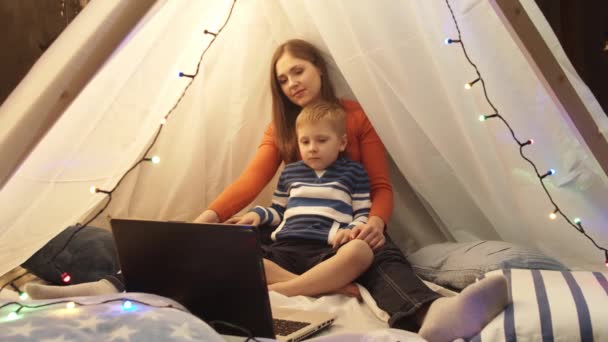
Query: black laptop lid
[214, 270]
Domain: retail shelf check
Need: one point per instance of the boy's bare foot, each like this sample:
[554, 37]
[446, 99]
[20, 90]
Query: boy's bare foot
[351, 290]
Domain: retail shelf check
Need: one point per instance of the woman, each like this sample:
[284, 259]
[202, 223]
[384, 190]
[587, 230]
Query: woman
[299, 76]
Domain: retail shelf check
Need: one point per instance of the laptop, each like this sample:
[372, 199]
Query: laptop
[214, 270]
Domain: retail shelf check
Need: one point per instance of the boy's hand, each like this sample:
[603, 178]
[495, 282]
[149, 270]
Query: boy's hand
[342, 236]
[234, 219]
[251, 218]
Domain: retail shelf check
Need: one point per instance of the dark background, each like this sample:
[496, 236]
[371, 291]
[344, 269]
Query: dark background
[27, 29]
[582, 29]
[30, 26]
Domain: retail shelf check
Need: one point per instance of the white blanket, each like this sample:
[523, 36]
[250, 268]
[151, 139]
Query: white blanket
[356, 321]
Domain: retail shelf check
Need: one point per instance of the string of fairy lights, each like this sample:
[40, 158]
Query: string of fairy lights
[65, 276]
[576, 222]
[127, 304]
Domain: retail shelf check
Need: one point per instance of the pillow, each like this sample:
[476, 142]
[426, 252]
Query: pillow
[551, 306]
[89, 256]
[103, 318]
[456, 265]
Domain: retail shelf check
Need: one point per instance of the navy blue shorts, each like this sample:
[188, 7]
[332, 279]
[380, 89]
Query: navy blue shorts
[298, 255]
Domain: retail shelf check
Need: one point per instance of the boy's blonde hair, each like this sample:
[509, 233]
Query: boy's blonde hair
[319, 111]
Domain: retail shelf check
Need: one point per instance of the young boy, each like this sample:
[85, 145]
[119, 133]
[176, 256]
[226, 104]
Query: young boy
[316, 203]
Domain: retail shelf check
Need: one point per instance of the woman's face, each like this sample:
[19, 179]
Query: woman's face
[299, 79]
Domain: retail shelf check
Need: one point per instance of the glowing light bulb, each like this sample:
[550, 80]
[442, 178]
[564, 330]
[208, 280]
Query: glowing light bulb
[163, 121]
[449, 41]
[486, 117]
[470, 84]
[66, 277]
[577, 221]
[181, 74]
[153, 160]
[70, 305]
[95, 190]
[23, 296]
[127, 304]
[553, 215]
[12, 316]
[528, 142]
[549, 173]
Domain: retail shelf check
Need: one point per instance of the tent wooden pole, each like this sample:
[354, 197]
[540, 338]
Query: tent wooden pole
[60, 75]
[551, 74]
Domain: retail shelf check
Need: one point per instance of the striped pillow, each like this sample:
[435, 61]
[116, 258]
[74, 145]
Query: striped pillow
[551, 306]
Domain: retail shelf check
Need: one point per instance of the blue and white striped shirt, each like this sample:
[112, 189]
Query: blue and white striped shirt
[313, 205]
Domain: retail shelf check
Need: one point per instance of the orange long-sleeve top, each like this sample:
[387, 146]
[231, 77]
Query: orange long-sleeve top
[364, 146]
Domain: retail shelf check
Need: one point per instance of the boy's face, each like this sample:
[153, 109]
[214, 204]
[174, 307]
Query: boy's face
[319, 144]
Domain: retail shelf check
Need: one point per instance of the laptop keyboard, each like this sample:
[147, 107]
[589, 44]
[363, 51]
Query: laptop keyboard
[283, 327]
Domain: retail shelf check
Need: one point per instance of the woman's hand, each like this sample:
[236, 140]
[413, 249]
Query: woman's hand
[342, 236]
[208, 216]
[371, 232]
[251, 219]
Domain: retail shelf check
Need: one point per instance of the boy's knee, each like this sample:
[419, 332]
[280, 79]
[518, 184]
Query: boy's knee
[359, 250]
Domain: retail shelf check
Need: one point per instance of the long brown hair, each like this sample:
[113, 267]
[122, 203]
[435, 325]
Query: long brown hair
[285, 112]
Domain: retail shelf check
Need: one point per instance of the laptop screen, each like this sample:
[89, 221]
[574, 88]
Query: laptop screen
[214, 270]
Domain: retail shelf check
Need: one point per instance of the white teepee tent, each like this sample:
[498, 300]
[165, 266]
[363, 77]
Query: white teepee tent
[465, 179]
